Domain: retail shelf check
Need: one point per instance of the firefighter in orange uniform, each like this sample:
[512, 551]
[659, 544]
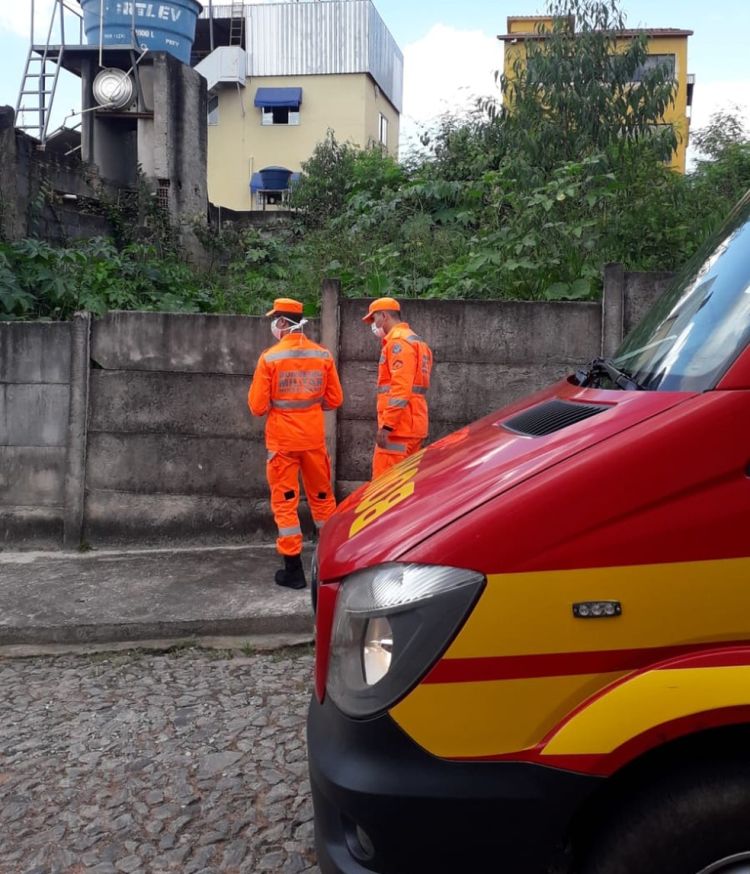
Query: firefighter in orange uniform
[294, 382]
[403, 380]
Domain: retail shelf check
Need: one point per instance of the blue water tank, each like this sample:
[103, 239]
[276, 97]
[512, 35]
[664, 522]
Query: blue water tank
[275, 178]
[160, 25]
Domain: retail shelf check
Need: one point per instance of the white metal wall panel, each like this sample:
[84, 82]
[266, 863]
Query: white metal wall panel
[386, 62]
[293, 39]
[220, 10]
[322, 37]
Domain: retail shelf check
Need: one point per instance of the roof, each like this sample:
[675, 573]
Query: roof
[628, 32]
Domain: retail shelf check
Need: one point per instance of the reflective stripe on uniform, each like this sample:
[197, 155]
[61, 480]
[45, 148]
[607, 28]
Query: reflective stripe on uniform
[413, 338]
[395, 447]
[298, 353]
[417, 389]
[290, 532]
[297, 404]
[398, 402]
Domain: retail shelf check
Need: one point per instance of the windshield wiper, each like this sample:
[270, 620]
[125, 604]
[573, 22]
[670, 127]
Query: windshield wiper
[605, 367]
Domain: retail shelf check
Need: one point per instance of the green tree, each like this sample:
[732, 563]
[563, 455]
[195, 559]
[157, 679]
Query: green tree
[337, 171]
[575, 95]
[725, 129]
[723, 174]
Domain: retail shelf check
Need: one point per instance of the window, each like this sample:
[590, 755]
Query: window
[279, 115]
[654, 61]
[213, 109]
[383, 130]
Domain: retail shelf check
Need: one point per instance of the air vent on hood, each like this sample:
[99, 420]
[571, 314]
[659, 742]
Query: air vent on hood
[550, 416]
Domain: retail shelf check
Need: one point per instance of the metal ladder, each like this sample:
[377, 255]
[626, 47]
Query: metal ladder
[41, 74]
[237, 23]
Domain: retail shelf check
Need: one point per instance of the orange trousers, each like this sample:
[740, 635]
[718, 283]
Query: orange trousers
[283, 470]
[400, 448]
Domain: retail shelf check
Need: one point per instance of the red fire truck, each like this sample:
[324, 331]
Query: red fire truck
[533, 637]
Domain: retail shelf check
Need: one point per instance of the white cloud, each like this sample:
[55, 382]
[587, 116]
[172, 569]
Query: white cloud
[16, 18]
[711, 97]
[446, 71]
[717, 96]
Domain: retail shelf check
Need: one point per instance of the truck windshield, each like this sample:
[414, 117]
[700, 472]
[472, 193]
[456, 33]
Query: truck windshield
[702, 322]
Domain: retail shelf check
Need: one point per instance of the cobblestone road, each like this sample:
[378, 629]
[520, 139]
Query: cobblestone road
[191, 761]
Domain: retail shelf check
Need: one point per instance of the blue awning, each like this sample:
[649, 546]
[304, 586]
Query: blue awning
[275, 97]
[256, 182]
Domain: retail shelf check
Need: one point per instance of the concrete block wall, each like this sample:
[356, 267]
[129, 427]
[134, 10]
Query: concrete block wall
[641, 291]
[173, 452]
[627, 297]
[24, 170]
[486, 355]
[134, 428]
[34, 406]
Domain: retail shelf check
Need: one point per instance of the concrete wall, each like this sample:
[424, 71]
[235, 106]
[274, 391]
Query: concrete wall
[32, 187]
[486, 354]
[626, 299]
[179, 142]
[641, 291]
[34, 404]
[134, 428]
[58, 197]
[173, 452]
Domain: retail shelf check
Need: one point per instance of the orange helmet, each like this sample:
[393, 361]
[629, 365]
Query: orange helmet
[285, 305]
[382, 303]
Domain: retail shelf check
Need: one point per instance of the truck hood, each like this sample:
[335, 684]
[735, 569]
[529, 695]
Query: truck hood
[475, 464]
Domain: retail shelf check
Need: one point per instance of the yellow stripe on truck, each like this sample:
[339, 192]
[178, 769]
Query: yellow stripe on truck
[646, 701]
[522, 662]
[472, 720]
[661, 603]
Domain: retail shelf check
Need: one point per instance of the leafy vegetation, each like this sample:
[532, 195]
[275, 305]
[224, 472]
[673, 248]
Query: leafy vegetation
[42, 281]
[527, 198]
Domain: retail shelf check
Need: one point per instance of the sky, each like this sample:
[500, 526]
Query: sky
[451, 51]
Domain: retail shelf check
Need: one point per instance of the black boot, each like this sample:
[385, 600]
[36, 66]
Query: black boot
[293, 574]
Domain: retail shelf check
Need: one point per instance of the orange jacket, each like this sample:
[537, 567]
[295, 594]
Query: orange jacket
[295, 380]
[403, 381]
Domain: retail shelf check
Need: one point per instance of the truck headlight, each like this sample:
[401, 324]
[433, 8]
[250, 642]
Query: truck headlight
[392, 623]
[377, 649]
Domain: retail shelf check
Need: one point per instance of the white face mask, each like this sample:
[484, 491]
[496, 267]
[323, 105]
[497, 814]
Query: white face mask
[278, 332]
[379, 332]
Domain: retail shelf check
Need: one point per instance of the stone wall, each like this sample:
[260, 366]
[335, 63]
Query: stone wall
[134, 428]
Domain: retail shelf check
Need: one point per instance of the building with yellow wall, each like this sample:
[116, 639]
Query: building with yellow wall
[280, 79]
[665, 46]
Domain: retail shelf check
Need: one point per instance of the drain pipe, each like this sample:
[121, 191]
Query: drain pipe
[101, 32]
